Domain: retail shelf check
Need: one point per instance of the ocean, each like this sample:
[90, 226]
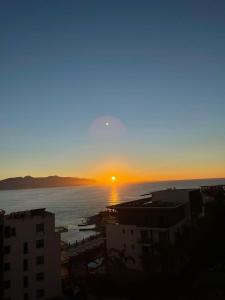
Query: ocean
[72, 204]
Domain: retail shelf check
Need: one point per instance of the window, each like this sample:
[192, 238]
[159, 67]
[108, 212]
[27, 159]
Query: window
[25, 296]
[13, 232]
[132, 232]
[39, 276]
[144, 236]
[7, 249]
[162, 221]
[7, 231]
[40, 244]
[7, 284]
[25, 282]
[124, 245]
[25, 248]
[25, 264]
[163, 236]
[145, 250]
[133, 246]
[124, 231]
[40, 227]
[39, 260]
[7, 267]
[40, 293]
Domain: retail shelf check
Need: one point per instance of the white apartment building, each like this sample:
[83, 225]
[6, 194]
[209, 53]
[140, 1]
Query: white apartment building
[158, 218]
[31, 267]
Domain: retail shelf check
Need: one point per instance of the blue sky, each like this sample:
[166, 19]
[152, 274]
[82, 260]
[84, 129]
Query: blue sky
[157, 66]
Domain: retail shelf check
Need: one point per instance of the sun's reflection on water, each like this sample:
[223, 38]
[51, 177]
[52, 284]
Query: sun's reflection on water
[114, 196]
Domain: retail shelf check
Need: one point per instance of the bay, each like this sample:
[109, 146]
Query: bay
[72, 204]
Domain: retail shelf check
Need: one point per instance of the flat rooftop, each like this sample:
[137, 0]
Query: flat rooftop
[169, 198]
[28, 213]
[171, 190]
[148, 203]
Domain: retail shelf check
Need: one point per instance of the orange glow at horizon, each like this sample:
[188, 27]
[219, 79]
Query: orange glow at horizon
[122, 171]
[121, 178]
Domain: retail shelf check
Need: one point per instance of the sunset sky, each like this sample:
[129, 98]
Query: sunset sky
[134, 89]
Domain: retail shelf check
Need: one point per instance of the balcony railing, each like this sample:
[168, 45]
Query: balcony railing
[145, 241]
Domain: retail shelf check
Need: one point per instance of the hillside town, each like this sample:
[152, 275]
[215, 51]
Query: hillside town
[167, 242]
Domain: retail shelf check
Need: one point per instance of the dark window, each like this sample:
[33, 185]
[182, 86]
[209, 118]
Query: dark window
[40, 260]
[25, 248]
[124, 245]
[133, 246]
[40, 227]
[7, 231]
[124, 231]
[144, 236]
[163, 236]
[132, 232]
[40, 293]
[13, 232]
[26, 296]
[40, 276]
[145, 250]
[25, 264]
[7, 284]
[7, 249]
[7, 266]
[40, 244]
[162, 221]
[25, 281]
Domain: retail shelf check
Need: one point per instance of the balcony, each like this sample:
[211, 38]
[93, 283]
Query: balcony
[145, 241]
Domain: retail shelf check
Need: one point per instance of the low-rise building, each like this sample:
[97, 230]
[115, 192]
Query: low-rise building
[30, 248]
[150, 225]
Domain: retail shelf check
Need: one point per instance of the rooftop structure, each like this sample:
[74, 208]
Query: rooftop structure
[164, 198]
[147, 203]
[220, 187]
[29, 213]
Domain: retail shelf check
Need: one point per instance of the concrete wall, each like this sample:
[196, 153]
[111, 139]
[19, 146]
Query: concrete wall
[124, 238]
[26, 233]
[171, 195]
[119, 237]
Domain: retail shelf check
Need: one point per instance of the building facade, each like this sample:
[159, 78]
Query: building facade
[148, 228]
[31, 256]
[1, 252]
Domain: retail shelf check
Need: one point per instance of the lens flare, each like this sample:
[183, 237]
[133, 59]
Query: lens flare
[107, 127]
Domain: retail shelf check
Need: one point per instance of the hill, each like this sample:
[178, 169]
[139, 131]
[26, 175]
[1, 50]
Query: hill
[29, 182]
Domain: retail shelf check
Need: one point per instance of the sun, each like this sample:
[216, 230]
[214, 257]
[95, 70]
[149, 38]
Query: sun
[113, 178]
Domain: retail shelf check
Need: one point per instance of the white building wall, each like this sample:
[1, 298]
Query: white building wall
[119, 237]
[26, 233]
[124, 238]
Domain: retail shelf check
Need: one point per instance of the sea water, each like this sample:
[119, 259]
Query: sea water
[72, 204]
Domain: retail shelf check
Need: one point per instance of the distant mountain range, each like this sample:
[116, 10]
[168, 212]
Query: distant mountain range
[29, 182]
